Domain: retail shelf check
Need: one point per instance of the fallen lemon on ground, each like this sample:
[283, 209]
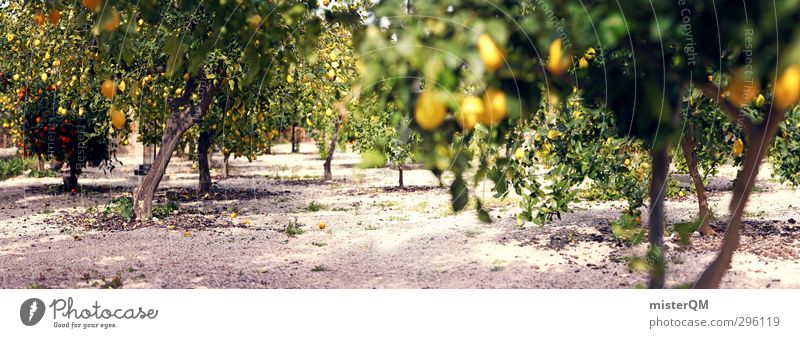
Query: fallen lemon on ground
[233, 214]
[322, 225]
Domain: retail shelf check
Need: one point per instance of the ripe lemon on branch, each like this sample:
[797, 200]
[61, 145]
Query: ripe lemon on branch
[429, 112]
[109, 89]
[471, 111]
[787, 87]
[495, 107]
[743, 88]
[738, 147]
[519, 154]
[557, 63]
[117, 118]
[491, 55]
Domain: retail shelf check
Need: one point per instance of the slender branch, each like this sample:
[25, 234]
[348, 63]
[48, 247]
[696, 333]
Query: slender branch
[734, 113]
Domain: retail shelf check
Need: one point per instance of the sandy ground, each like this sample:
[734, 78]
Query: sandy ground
[376, 236]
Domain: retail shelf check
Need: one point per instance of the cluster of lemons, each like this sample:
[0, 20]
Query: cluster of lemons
[430, 110]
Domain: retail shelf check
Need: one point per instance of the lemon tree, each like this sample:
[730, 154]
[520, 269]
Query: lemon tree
[166, 40]
[549, 48]
[47, 102]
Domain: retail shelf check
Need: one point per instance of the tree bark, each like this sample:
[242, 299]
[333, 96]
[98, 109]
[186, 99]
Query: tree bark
[656, 217]
[225, 167]
[704, 217]
[400, 169]
[40, 163]
[759, 138]
[334, 139]
[179, 121]
[203, 163]
[71, 179]
[295, 148]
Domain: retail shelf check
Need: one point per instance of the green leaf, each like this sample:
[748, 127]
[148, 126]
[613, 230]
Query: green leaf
[459, 193]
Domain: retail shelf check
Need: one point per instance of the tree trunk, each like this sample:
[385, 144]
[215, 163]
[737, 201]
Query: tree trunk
[40, 163]
[656, 217]
[704, 216]
[203, 163]
[179, 121]
[295, 148]
[71, 179]
[759, 138]
[225, 167]
[334, 139]
[400, 169]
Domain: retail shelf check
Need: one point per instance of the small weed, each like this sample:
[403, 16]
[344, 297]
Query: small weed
[420, 207]
[315, 206]
[319, 268]
[386, 204]
[293, 229]
[35, 285]
[122, 206]
[499, 265]
[319, 244]
[371, 227]
[398, 218]
[166, 209]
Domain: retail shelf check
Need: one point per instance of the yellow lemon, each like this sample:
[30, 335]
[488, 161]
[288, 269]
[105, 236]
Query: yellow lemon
[490, 54]
[471, 111]
[322, 225]
[759, 101]
[583, 64]
[787, 87]
[738, 147]
[109, 89]
[122, 86]
[117, 118]
[233, 214]
[589, 54]
[557, 64]
[552, 134]
[429, 112]
[254, 21]
[495, 107]
[743, 88]
[519, 154]
[289, 79]
[627, 162]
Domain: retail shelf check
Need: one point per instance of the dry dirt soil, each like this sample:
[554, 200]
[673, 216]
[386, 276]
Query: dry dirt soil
[376, 236]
